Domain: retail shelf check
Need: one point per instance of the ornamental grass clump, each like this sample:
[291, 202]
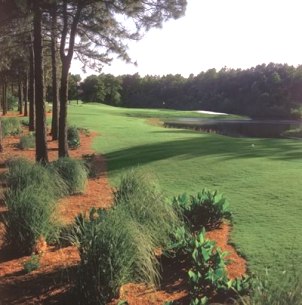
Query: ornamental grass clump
[30, 215]
[114, 250]
[33, 191]
[73, 172]
[10, 126]
[22, 173]
[139, 197]
[27, 142]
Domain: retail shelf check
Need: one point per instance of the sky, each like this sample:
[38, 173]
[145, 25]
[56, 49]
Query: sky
[217, 34]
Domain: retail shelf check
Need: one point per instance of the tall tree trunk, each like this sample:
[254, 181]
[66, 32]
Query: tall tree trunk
[55, 91]
[31, 89]
[41, 140]
[4, 99]
[66, 61]
[63, 145]
[20, 97]
[25, 94]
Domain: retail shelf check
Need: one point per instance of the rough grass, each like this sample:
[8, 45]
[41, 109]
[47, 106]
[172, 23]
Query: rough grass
[261, 178]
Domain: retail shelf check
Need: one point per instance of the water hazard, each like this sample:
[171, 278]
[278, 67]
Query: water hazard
[248, 128]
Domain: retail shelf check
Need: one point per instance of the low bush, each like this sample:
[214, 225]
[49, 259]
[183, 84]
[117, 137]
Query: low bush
[73, 137]
[139, 196]
[114, 250]
[30, 215]
[73, 172]
[23, 173]
[206, 209]
[32, 264]
[27, 142]
[31, 199]
[10, 126]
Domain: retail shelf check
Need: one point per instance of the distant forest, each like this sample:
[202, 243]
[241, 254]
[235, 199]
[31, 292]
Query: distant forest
[264, 91]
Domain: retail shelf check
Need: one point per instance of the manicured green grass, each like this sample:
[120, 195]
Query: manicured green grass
[262, 178]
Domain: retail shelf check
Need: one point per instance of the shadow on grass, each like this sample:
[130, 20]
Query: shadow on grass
[222, 147]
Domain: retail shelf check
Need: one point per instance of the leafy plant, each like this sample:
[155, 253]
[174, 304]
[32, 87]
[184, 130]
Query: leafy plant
[206, 209]
[73, 172]
[114, 250]
[33, 263]
[73, 137]
[27, 142]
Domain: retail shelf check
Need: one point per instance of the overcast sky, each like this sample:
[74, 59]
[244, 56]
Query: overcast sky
[218, 33]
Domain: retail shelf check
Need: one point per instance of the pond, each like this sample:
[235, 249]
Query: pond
[248, 128]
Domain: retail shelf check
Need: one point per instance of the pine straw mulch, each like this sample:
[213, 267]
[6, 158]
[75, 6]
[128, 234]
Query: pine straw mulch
[50, 284]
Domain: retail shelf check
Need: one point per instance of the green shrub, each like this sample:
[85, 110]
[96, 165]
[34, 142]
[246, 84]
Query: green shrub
[206, 209]
[32, 264]
[23, 173]
[138, 195]
[73, 137]
[73, 172]
[114, 250]
[10, 126]
[28, 141]
[30, 215]
[12, 102]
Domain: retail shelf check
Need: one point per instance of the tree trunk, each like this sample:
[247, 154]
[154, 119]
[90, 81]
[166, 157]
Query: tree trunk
[63, 145]
[55, 91]
[41, 140]
[4, 99]
[31, 89]
[25, 94]
[20, 97]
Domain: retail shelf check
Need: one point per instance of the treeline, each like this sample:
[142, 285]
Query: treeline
[264, 91]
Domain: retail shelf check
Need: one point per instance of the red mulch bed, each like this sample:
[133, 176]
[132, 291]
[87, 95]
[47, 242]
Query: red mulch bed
[50, 283]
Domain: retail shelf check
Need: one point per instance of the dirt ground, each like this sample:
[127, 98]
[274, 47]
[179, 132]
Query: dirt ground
[50, 284]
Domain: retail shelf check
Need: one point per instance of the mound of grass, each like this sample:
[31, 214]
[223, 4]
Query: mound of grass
[23, 173]
[30, 215]
[114, 250]
[10, 126]
[73, 172]
[27, 142]
[139, 196]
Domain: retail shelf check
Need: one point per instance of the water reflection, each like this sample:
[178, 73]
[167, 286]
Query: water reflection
[248, 128]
